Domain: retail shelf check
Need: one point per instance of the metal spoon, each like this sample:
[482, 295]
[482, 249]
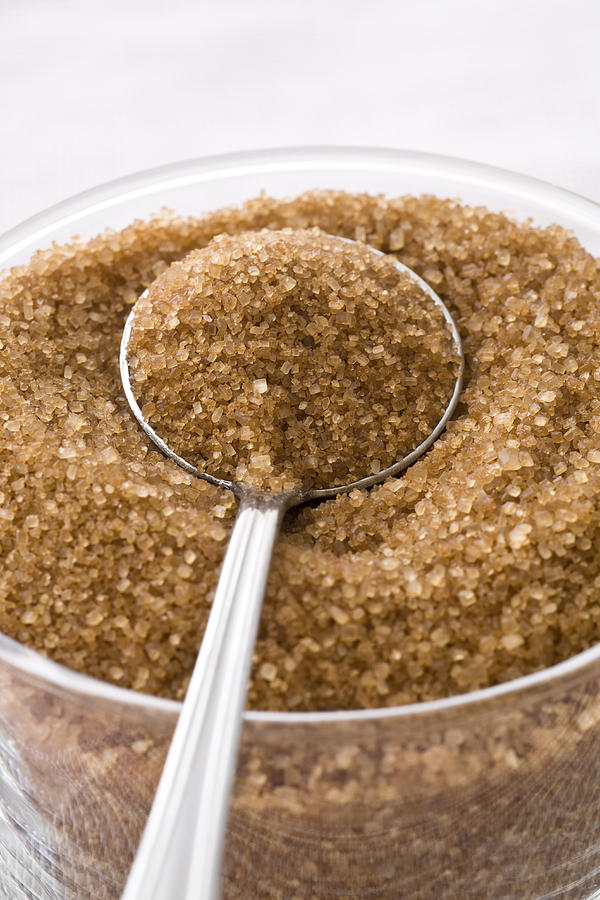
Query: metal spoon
[181, 852]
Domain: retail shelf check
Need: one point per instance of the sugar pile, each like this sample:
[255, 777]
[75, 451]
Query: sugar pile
[290, 360]
[479, 564]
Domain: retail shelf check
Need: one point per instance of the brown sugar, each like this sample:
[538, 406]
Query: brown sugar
[290, 360]
[479, 564]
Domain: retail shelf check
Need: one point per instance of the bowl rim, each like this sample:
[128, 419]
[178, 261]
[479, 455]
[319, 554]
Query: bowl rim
[269, 160]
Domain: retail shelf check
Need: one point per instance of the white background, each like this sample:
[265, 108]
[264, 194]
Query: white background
[94, 89]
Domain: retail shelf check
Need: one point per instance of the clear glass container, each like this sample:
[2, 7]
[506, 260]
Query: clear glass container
[492, 794]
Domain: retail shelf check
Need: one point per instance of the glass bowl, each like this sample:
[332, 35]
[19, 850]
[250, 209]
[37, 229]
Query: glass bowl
[492, 794]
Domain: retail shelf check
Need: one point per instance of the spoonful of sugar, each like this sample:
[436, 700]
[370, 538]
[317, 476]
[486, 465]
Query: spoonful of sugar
[286, 366]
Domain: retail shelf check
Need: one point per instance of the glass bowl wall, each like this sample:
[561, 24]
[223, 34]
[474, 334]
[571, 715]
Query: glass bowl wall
[494, 794]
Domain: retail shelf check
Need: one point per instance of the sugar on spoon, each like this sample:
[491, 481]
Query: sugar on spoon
[181, 851]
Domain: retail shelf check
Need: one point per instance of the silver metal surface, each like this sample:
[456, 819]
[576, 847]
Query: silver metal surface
[181, 851]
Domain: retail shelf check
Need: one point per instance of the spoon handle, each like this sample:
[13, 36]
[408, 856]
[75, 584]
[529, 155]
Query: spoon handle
[181, 851]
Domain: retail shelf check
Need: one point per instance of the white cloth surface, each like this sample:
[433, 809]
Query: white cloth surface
[94, 89]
